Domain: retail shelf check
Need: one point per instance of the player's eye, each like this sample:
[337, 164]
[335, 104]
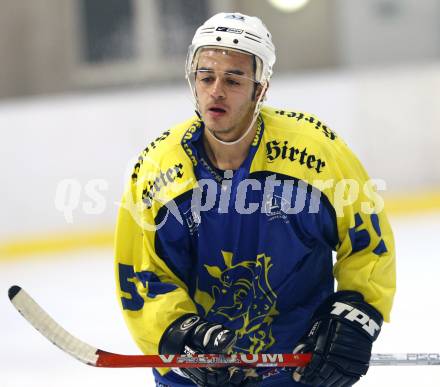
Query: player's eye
[204, 76]
[206, 79]
[232, 82]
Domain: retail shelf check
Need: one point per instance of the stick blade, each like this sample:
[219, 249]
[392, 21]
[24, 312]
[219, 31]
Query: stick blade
[35, 315]
[13, 291]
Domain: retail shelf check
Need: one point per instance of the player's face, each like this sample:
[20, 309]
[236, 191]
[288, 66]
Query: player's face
[225, 90]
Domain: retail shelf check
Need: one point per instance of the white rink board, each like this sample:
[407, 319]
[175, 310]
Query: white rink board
[77, 289]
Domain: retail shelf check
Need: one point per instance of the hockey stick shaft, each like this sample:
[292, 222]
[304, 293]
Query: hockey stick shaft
[90, 355]
[106, 359]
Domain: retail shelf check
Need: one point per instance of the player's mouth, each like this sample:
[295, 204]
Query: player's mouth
[216, 111]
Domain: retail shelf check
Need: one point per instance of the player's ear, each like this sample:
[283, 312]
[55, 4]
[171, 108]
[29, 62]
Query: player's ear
[259, 90]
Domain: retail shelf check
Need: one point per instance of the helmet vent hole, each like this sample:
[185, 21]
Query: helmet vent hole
[235, 41]
[218, 38]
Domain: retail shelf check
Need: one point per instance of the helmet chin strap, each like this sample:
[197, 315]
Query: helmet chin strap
[254, 118]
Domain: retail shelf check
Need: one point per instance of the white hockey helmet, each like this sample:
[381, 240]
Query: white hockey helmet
[239, 32]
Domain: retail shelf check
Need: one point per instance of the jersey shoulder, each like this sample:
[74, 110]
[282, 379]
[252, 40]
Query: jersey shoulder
[305, 143]
[163, 169]
[294, 122]
[166, 144]
[307, 128]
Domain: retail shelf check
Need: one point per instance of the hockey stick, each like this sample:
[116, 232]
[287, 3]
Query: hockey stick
[90, 355]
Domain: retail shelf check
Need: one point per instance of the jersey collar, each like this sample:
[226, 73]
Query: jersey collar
[195, 131]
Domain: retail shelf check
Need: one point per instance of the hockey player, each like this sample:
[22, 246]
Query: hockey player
[225, 233]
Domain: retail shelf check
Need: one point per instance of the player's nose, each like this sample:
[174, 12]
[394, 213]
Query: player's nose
[217, 89]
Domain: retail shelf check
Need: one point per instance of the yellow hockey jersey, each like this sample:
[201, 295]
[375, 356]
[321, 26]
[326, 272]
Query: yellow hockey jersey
[251, 248]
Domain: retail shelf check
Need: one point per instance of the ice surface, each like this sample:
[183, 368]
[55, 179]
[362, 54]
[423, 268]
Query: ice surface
[78, 290]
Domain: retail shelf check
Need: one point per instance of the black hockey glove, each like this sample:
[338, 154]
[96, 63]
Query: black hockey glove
[340, 338]
[190, 335]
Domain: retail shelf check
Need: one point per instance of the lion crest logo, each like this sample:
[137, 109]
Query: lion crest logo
[242, 293]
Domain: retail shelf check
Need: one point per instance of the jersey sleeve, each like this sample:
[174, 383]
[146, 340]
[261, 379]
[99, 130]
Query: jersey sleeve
[152, 265]
[365, 260]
